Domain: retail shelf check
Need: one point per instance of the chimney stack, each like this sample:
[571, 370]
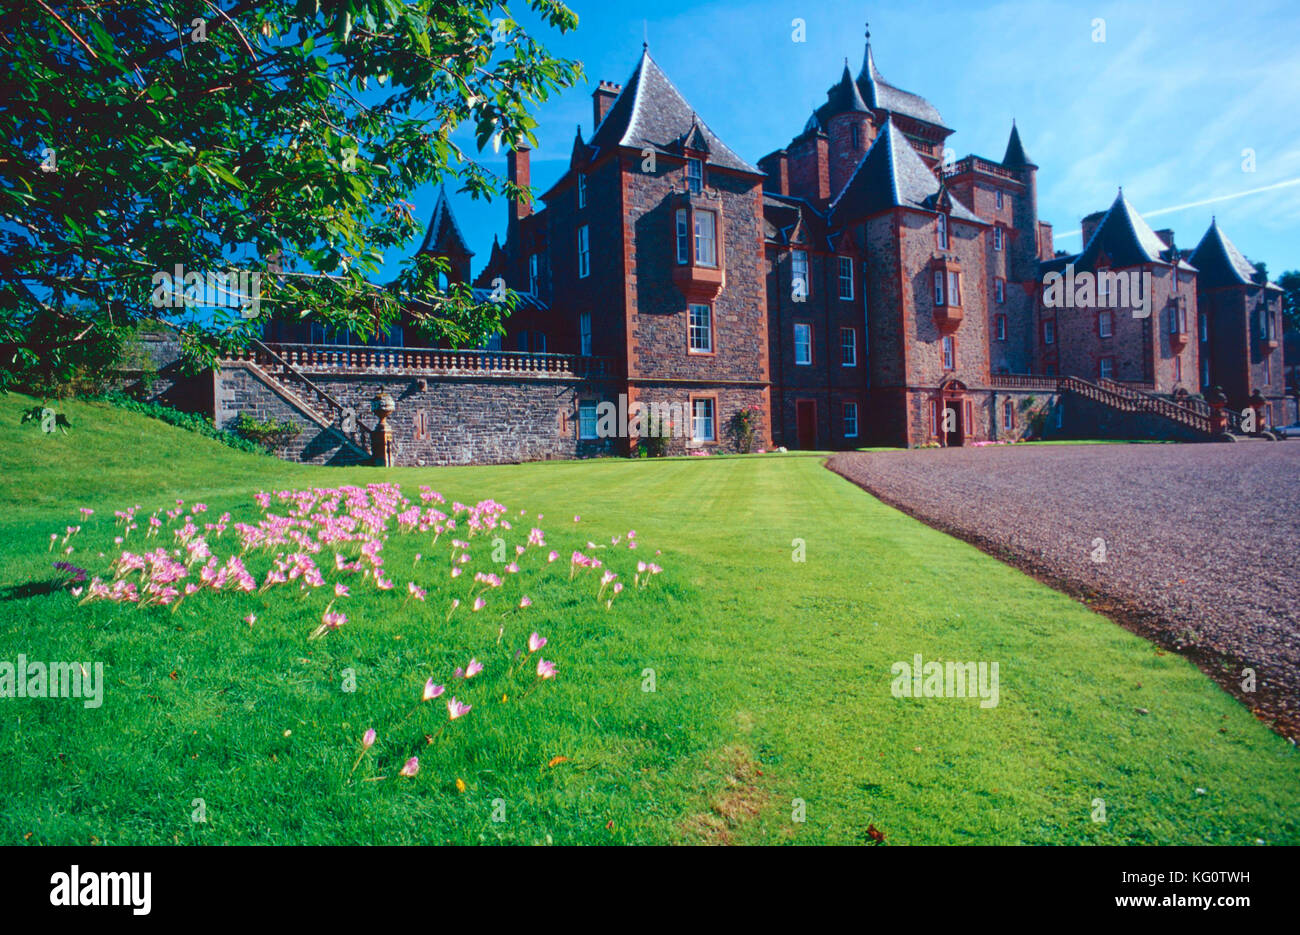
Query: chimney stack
[602, 99]
[1089, 224]
[517, 172]
[1167, 236]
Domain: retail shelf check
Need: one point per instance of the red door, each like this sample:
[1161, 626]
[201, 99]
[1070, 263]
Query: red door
[806, 421]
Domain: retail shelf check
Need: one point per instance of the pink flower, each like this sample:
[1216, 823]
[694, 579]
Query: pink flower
[473, 668]
[412, 766]
[535, 642]
[455, 572]
[340, 590]
[368, 739]
[545, 669]
[525, 601]
[250, 619]
[553, 556]
[415, 591]
[432, 691]
[577, 518]
[479, 603]
[618, 586]
[512, 568]
[455, 708]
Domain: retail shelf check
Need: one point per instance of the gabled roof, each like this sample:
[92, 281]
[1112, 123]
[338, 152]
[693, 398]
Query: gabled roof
[444, 236]
[1015, 157]
[890, 175]
[879, 93]
[526, 299]
[1220, 262]
[651, 112]
[1124, 238]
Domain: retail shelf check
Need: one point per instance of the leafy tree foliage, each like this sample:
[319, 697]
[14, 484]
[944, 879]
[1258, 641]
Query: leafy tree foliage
[279, 137]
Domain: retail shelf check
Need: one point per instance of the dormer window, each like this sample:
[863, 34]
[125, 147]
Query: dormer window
[941, 232]
[695, 176]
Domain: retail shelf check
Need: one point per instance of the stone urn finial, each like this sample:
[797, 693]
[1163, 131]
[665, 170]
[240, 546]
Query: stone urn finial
[383, 406]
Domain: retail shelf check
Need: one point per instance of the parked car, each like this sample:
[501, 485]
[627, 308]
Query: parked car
[1288, 431]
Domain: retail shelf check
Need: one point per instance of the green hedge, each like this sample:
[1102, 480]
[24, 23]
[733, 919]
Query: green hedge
[190, 421]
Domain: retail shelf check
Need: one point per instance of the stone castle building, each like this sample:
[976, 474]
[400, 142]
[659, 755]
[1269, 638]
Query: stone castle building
[851, 288]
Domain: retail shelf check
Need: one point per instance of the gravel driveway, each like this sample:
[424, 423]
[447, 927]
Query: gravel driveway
[1200, 542]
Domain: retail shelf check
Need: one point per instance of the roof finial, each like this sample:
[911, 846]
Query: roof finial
[645, 33]
[868, 27]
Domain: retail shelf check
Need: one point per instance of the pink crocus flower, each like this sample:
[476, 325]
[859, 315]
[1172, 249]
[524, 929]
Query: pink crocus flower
[456, 708]
[479, 603]
[250, 619]
[525, 601]
[535, 642]
[456, 572]
[553, 556]
[340, 590]
[512, 568]
[412, 766]
[368, 739]
[545, 670]
[473, 668]
[432, 691]
[415, 591]
[577, 518]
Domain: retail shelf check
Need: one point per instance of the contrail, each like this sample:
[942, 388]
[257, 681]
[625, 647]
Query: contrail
[1197, 204]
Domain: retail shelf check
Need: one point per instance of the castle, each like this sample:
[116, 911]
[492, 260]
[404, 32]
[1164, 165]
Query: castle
[851, 288]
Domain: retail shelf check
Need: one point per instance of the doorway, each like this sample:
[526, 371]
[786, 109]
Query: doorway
[952, 423]
[806, 423]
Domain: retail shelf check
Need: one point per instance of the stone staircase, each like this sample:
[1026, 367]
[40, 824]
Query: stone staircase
[309, 402]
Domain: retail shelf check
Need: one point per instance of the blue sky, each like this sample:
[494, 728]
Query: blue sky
[1164, 106]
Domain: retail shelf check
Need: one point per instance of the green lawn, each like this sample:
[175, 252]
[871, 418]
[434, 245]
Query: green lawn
[772, 676]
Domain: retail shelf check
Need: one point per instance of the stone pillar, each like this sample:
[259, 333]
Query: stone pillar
[1218, 415]
[381, 436]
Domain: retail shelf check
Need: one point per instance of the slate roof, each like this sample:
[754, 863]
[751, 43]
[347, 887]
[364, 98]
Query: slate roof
[879, 93]
[444, 235]
[651, 112]
[1220, 262]
[1015, 157]
[1125, 238]
[890, 175]
[526, 299]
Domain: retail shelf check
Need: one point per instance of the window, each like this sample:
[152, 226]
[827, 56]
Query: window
[941, 232]
[1049, 332]
[1008, 415]
[539, 342]
[1178, 369]
[702, 420]
[1105, 323]
[802, 343]
[999, 290]
[1106, 368]
[999, 197]
[533, 261]
[1205, 371]
[949, 353]
[846, 278]
[706, 244]
[856, 133]
[584, 334]
[582, 190]
[938, 287]
[954, 288]
[683, 237]
[997, 238]
[695, 176]
[1205, 327]
[1173, 321]
[848, 347]
[1000, 326]
[587, 419]
[584, 252]
[701, 329]
[799, 271]
[850, 420]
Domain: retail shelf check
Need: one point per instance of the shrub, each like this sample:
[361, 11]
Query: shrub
[269, 433]
[190, 421]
